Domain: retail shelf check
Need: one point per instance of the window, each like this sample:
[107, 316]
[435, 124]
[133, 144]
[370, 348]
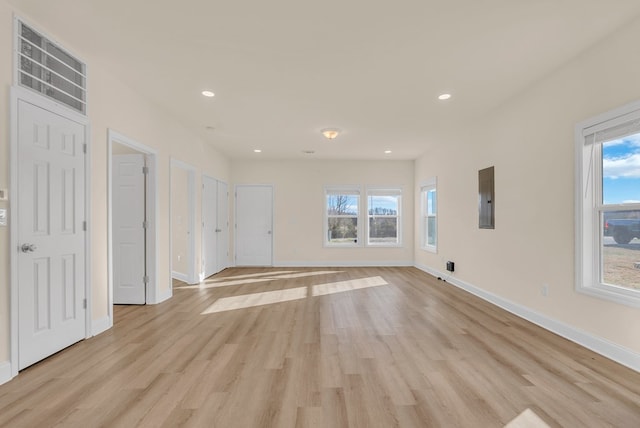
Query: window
[383, 207]
[342, 212]
[429, 214]
[46, 68]
[608, 206]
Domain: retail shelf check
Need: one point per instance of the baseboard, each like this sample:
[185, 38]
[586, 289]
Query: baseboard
[101, 325]
[180, 276]
[340, 263]
[5, 372]
[608, 349]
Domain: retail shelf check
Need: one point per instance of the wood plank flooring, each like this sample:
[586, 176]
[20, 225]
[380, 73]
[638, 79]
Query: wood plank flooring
[325, 347]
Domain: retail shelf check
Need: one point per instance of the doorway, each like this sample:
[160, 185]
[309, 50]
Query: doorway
[183, 218]
[132, 208]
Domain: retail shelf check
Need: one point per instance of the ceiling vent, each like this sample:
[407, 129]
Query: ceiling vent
[43, 66]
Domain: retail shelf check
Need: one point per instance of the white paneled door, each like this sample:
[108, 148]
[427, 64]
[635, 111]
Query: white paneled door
[215, 225]
[128, 205]
[254, 225]
[51, 241]
[209, 225]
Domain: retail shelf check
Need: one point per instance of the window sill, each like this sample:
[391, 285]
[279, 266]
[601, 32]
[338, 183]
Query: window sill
[431, 249]
[618, 295]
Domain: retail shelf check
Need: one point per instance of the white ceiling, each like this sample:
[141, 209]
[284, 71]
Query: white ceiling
[284, 69]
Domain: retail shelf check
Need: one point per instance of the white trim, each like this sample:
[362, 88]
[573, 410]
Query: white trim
[101, 325]
[340, 263]
[152, 209]
[5, 372]
[608, 349]
[192, 277]
[165, 295]
[180, 276]
[18, 93]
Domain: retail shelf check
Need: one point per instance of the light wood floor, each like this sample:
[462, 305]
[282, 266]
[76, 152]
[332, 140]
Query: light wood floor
[359, 347]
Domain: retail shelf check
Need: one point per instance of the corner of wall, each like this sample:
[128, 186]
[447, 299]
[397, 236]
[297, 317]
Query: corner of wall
[5, 372]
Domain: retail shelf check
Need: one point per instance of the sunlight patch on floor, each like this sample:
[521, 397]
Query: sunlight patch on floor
[254, 278]
[342, 286]
[277, 296]
[527, 419]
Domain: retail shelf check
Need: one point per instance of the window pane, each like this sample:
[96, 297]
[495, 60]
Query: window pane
[431, 231]
[342, 204]
[431, 202]
[383, 230]
[621, 171]
[342, 230]
[621, 249]
[383, 205]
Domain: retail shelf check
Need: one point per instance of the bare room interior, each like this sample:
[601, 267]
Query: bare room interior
[281, 214]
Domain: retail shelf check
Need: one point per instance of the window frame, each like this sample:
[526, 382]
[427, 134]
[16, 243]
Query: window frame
[384, 191]
[589, 205]
[430, 185]
[347, 191]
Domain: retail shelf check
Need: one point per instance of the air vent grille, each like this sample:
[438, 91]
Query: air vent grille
[48, 69]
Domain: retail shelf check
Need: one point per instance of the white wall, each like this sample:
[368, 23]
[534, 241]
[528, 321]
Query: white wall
[112, 105]
[530, 140]
[299, 207]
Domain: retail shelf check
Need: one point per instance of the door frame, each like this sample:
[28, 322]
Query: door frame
[151, 202]
[18, 94]
[191, 220]
[203, 255]
[235, 220]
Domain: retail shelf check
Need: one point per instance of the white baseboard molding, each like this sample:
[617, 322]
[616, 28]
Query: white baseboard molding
[340, 263]
[101, 325]
[608, 349]
[180, 276]
[5, 372]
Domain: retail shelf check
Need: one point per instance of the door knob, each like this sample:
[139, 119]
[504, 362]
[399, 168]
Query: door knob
[28, 248]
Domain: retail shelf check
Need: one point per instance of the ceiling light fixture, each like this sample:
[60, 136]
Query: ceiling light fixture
[443, 97]
[208, 94]
[330, 133]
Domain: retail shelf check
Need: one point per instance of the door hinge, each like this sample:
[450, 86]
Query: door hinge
[145, 224]
[84, 148]
[84, 303]
[84, 226]
[145, 170]
[145, 279]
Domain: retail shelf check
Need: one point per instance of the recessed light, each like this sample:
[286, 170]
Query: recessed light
[257, 151]
[443, 97]
[208, 94]
[386, 152]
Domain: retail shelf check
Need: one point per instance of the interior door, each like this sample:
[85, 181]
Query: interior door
[223, 227]
[254, 223]
[209, 225]
[51, 237]
[128, 219]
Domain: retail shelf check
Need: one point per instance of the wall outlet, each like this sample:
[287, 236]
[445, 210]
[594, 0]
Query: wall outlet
[545, 290]
[450, 266]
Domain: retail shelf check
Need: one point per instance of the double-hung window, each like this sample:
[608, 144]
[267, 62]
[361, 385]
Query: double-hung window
[608, 206]
[342, 209]
[383, 207]
[429, 214]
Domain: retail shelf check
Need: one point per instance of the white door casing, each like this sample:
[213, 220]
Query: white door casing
[223, 227]
[254, 225]
[209, 226]
[128, 211]
[51, 241]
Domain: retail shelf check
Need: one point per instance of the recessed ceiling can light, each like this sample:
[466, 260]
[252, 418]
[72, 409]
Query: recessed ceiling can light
[443, 97]
[257, 151]
[386, 152]
[208, 94]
